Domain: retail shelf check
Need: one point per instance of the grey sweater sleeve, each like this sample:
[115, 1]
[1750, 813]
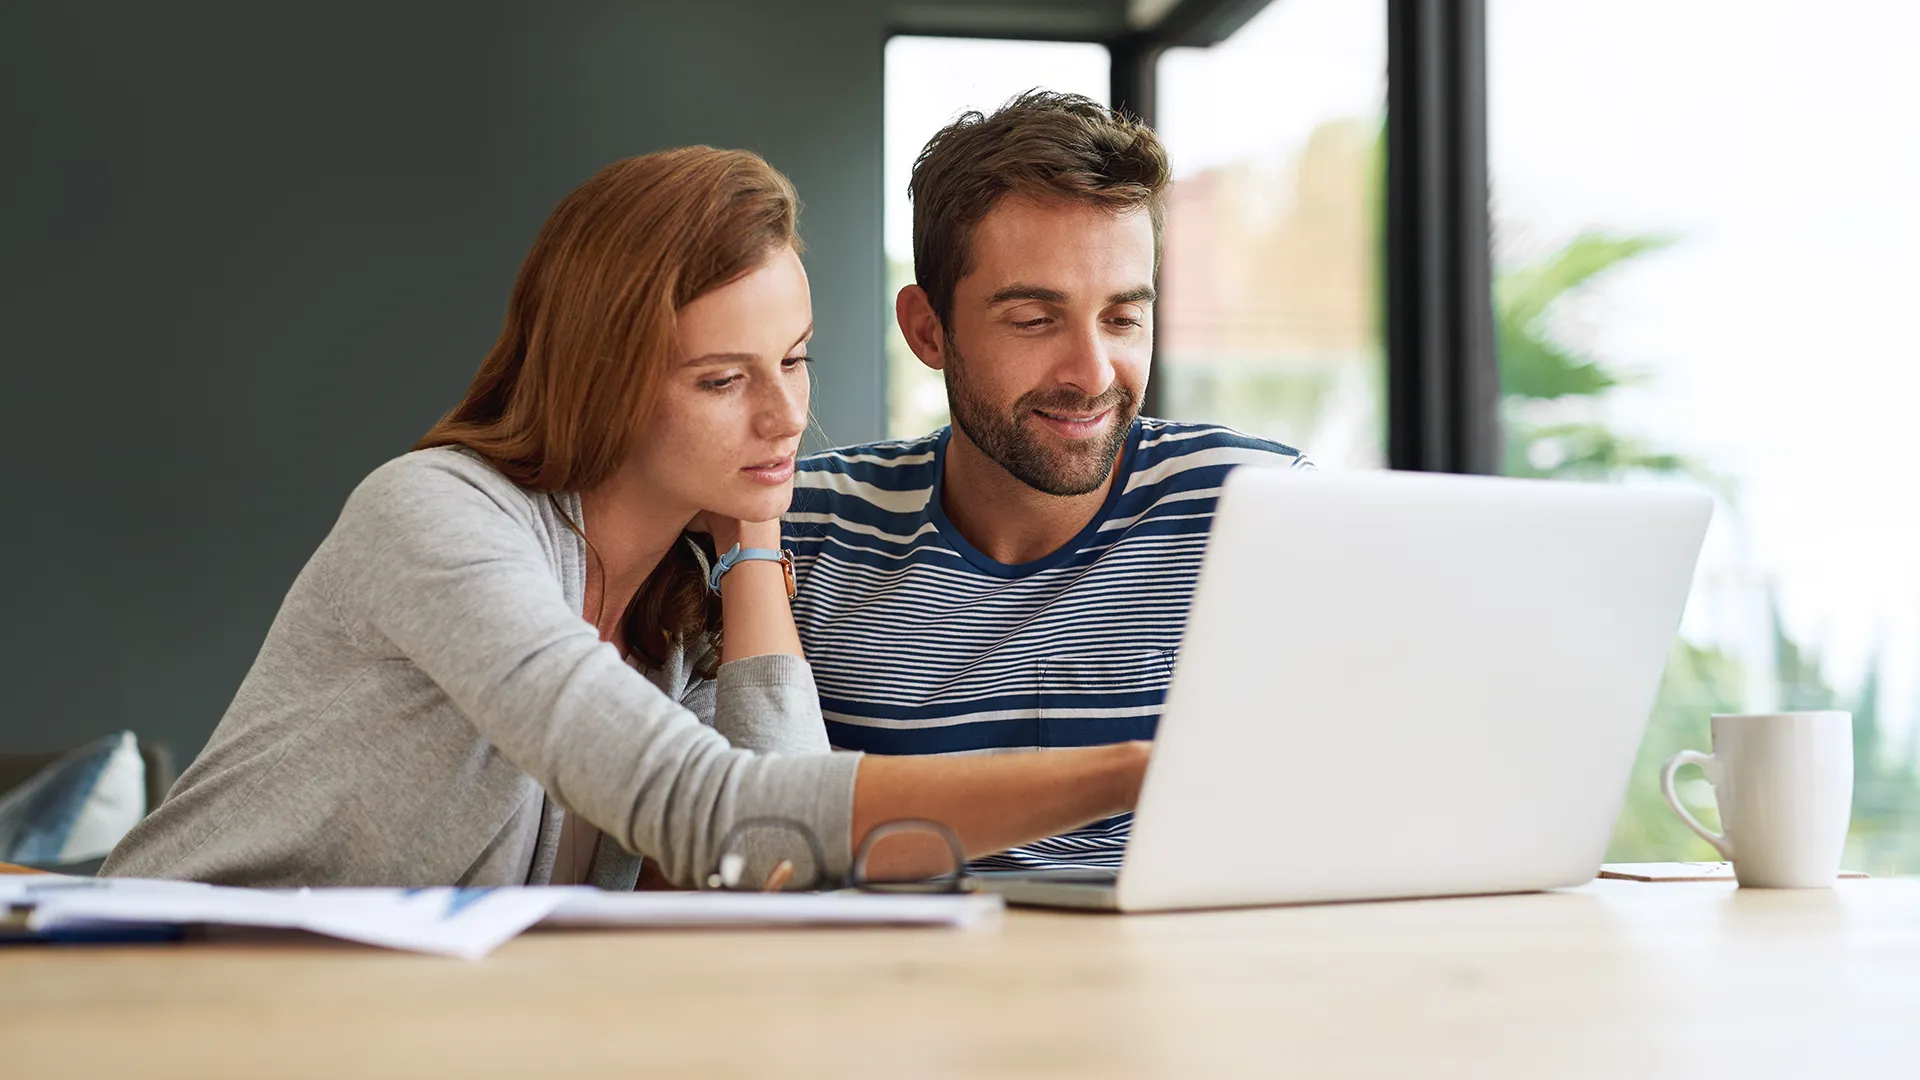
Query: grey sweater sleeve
[766, 704]
[452, 577]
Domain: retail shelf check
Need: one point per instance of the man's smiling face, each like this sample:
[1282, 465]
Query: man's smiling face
[1049, 338]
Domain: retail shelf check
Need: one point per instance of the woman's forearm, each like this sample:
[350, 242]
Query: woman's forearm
[992, 802]
[995, 802]
[753, 596]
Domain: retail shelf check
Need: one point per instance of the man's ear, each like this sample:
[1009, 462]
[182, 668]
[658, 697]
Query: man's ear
[921, 327]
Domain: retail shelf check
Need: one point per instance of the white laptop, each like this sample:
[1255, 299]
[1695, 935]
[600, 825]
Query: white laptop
[1401, 685]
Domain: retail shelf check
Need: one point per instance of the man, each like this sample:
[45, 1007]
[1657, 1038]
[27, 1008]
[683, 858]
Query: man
[1021, 579]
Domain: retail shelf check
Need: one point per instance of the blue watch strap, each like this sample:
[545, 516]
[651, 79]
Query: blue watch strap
[737, 555]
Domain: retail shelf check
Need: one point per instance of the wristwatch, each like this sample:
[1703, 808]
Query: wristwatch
[737, 555]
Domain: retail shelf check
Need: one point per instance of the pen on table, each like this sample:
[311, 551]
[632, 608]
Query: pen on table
[778, 877]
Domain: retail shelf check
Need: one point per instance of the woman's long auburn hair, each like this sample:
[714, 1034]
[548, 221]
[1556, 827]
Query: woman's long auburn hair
[591, 331]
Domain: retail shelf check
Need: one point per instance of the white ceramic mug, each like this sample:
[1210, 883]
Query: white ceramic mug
[1784, 784]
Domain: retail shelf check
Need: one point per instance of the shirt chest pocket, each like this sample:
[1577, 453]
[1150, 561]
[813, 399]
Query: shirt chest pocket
[1093, 698]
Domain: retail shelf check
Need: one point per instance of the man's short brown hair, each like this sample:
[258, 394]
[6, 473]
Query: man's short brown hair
[1042, 145]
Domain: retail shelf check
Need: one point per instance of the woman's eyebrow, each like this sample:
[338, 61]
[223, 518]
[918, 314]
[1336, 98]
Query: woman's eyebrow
[711, 359]
[721, 358]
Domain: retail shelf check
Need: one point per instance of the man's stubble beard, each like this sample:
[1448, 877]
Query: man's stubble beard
[1006, 439]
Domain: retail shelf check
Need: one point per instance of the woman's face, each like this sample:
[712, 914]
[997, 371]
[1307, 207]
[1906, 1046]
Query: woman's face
[730, 416]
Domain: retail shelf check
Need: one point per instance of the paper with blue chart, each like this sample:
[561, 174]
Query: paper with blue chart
[459, 922]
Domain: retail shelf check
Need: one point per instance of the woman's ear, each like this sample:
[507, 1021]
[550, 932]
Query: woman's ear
[921, 327]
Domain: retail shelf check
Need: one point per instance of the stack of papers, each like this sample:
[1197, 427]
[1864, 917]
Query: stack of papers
[466, 923]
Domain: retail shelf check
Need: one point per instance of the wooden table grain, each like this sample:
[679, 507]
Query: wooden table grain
[1617, 979]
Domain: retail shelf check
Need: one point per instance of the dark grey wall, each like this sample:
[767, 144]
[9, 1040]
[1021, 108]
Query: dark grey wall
[249, 251]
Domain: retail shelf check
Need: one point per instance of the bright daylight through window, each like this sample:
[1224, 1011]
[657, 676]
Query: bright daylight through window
[1704, 245]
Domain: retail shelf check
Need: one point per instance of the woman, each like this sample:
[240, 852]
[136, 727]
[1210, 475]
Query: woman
[510, 629]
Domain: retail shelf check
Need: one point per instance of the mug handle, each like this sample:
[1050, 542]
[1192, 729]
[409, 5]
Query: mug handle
[1709, 766]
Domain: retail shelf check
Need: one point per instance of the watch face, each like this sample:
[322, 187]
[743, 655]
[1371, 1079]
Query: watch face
[786, 567]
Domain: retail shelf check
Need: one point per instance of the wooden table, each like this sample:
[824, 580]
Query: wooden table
[1617, 979]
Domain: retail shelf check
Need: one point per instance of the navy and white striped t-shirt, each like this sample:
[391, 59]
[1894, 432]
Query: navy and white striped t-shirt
[920, 644]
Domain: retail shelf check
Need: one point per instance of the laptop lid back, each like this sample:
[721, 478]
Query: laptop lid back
[1408, 685]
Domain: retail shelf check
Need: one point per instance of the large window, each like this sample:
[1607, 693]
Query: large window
[1705, 226]
[931, 81]
[1271, 285]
